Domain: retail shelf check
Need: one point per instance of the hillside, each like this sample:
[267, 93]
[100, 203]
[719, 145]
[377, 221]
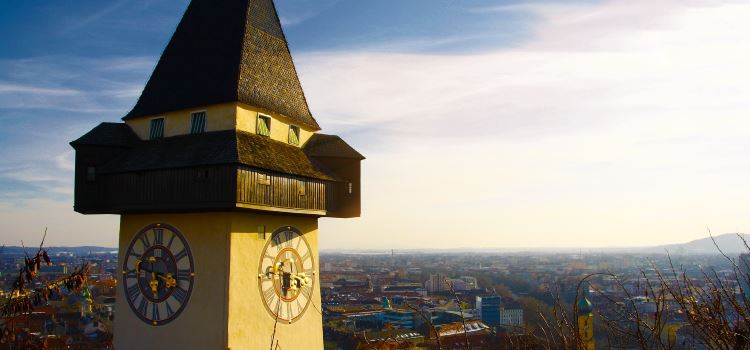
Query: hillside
[729, 243]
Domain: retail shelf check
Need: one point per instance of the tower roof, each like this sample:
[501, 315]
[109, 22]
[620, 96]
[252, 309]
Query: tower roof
[584, 302]
[226, 51]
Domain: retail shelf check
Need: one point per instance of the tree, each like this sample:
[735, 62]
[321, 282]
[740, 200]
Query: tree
[24, 297]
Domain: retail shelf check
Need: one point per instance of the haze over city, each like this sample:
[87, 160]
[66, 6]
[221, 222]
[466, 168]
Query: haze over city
[520, 124]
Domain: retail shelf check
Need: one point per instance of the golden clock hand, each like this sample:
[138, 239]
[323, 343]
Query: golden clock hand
[169, 281]
[154, 284]
[138, 266]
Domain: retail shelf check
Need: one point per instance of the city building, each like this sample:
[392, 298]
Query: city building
[220, 175]
[471, 282]
[488, 309]
[437, 283]
[459, 285]
[455, 335]
[399, 318]
[511, 315]
[389, 339]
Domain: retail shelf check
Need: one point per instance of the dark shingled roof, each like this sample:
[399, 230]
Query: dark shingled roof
[108, 134]
[226, 51]
[216, 148]
[321, 145]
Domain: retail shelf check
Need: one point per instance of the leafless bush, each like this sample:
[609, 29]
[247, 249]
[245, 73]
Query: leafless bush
[707, 312]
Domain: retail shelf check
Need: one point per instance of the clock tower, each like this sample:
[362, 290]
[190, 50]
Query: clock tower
[219, 174]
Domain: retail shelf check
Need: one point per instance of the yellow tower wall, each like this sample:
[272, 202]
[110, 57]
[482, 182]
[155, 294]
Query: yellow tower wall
[586, 330]
[250, 325]
[247, 120]
[200, 326]
[219, 117]
[225, 310]
[226, 116]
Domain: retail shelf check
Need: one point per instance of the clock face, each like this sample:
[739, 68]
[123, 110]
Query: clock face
[158, 274]
[286, 275]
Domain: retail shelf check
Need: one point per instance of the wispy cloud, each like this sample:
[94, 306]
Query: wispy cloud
[35, 90]
[74, 84]
[531, 6]
[623, 117]
[49, 101]
[86, 20]
[295, 19]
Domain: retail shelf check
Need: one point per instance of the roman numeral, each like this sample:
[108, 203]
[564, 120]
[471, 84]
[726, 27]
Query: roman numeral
[158, 236]
[144, 240]
[133, 292]
[289, 235]
[306, 256]
[155, 313]
[299, 305]
[183, 275]
[289, 311]
[180, 255]
[180, 295]
[307, 292]
[171, 239]
[170, 312]
[143, 307]
[130, 274]
[277, 240]
[269, 294]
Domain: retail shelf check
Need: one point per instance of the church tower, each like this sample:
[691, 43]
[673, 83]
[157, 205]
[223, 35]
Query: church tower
[586, 320]
[219, 175]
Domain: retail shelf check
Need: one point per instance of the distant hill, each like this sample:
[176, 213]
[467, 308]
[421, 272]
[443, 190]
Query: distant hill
[730, 243]
[14, 250]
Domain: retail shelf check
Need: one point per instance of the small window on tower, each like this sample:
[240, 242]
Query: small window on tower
[293, 135]
[198, 123]
[91, 174]
[157, 128]
[264, 125]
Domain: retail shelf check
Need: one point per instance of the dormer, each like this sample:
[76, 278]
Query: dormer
[231, 62]
[222, 117]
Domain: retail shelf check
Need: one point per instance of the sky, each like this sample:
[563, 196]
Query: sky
[492, 124]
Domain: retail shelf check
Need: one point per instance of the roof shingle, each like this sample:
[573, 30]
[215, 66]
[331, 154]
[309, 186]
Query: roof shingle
[227, 51]
[108, 134]
[216, 148]
[322, 145]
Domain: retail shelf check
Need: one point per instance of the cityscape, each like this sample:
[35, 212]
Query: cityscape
[402, 299]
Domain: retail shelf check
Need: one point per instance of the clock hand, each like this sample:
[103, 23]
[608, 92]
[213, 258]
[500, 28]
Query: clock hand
[169, 281]
[154, 284]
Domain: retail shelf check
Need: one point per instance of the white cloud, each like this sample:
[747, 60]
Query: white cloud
[73, 84]
[13, 88]
[620, 123]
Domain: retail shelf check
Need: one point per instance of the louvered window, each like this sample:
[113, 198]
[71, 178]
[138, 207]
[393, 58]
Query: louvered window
[264, 125]
[293, 135]
[198, 123]
[157, 128]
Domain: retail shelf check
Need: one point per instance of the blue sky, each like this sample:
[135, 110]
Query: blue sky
[586, 117]
[70, 65]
